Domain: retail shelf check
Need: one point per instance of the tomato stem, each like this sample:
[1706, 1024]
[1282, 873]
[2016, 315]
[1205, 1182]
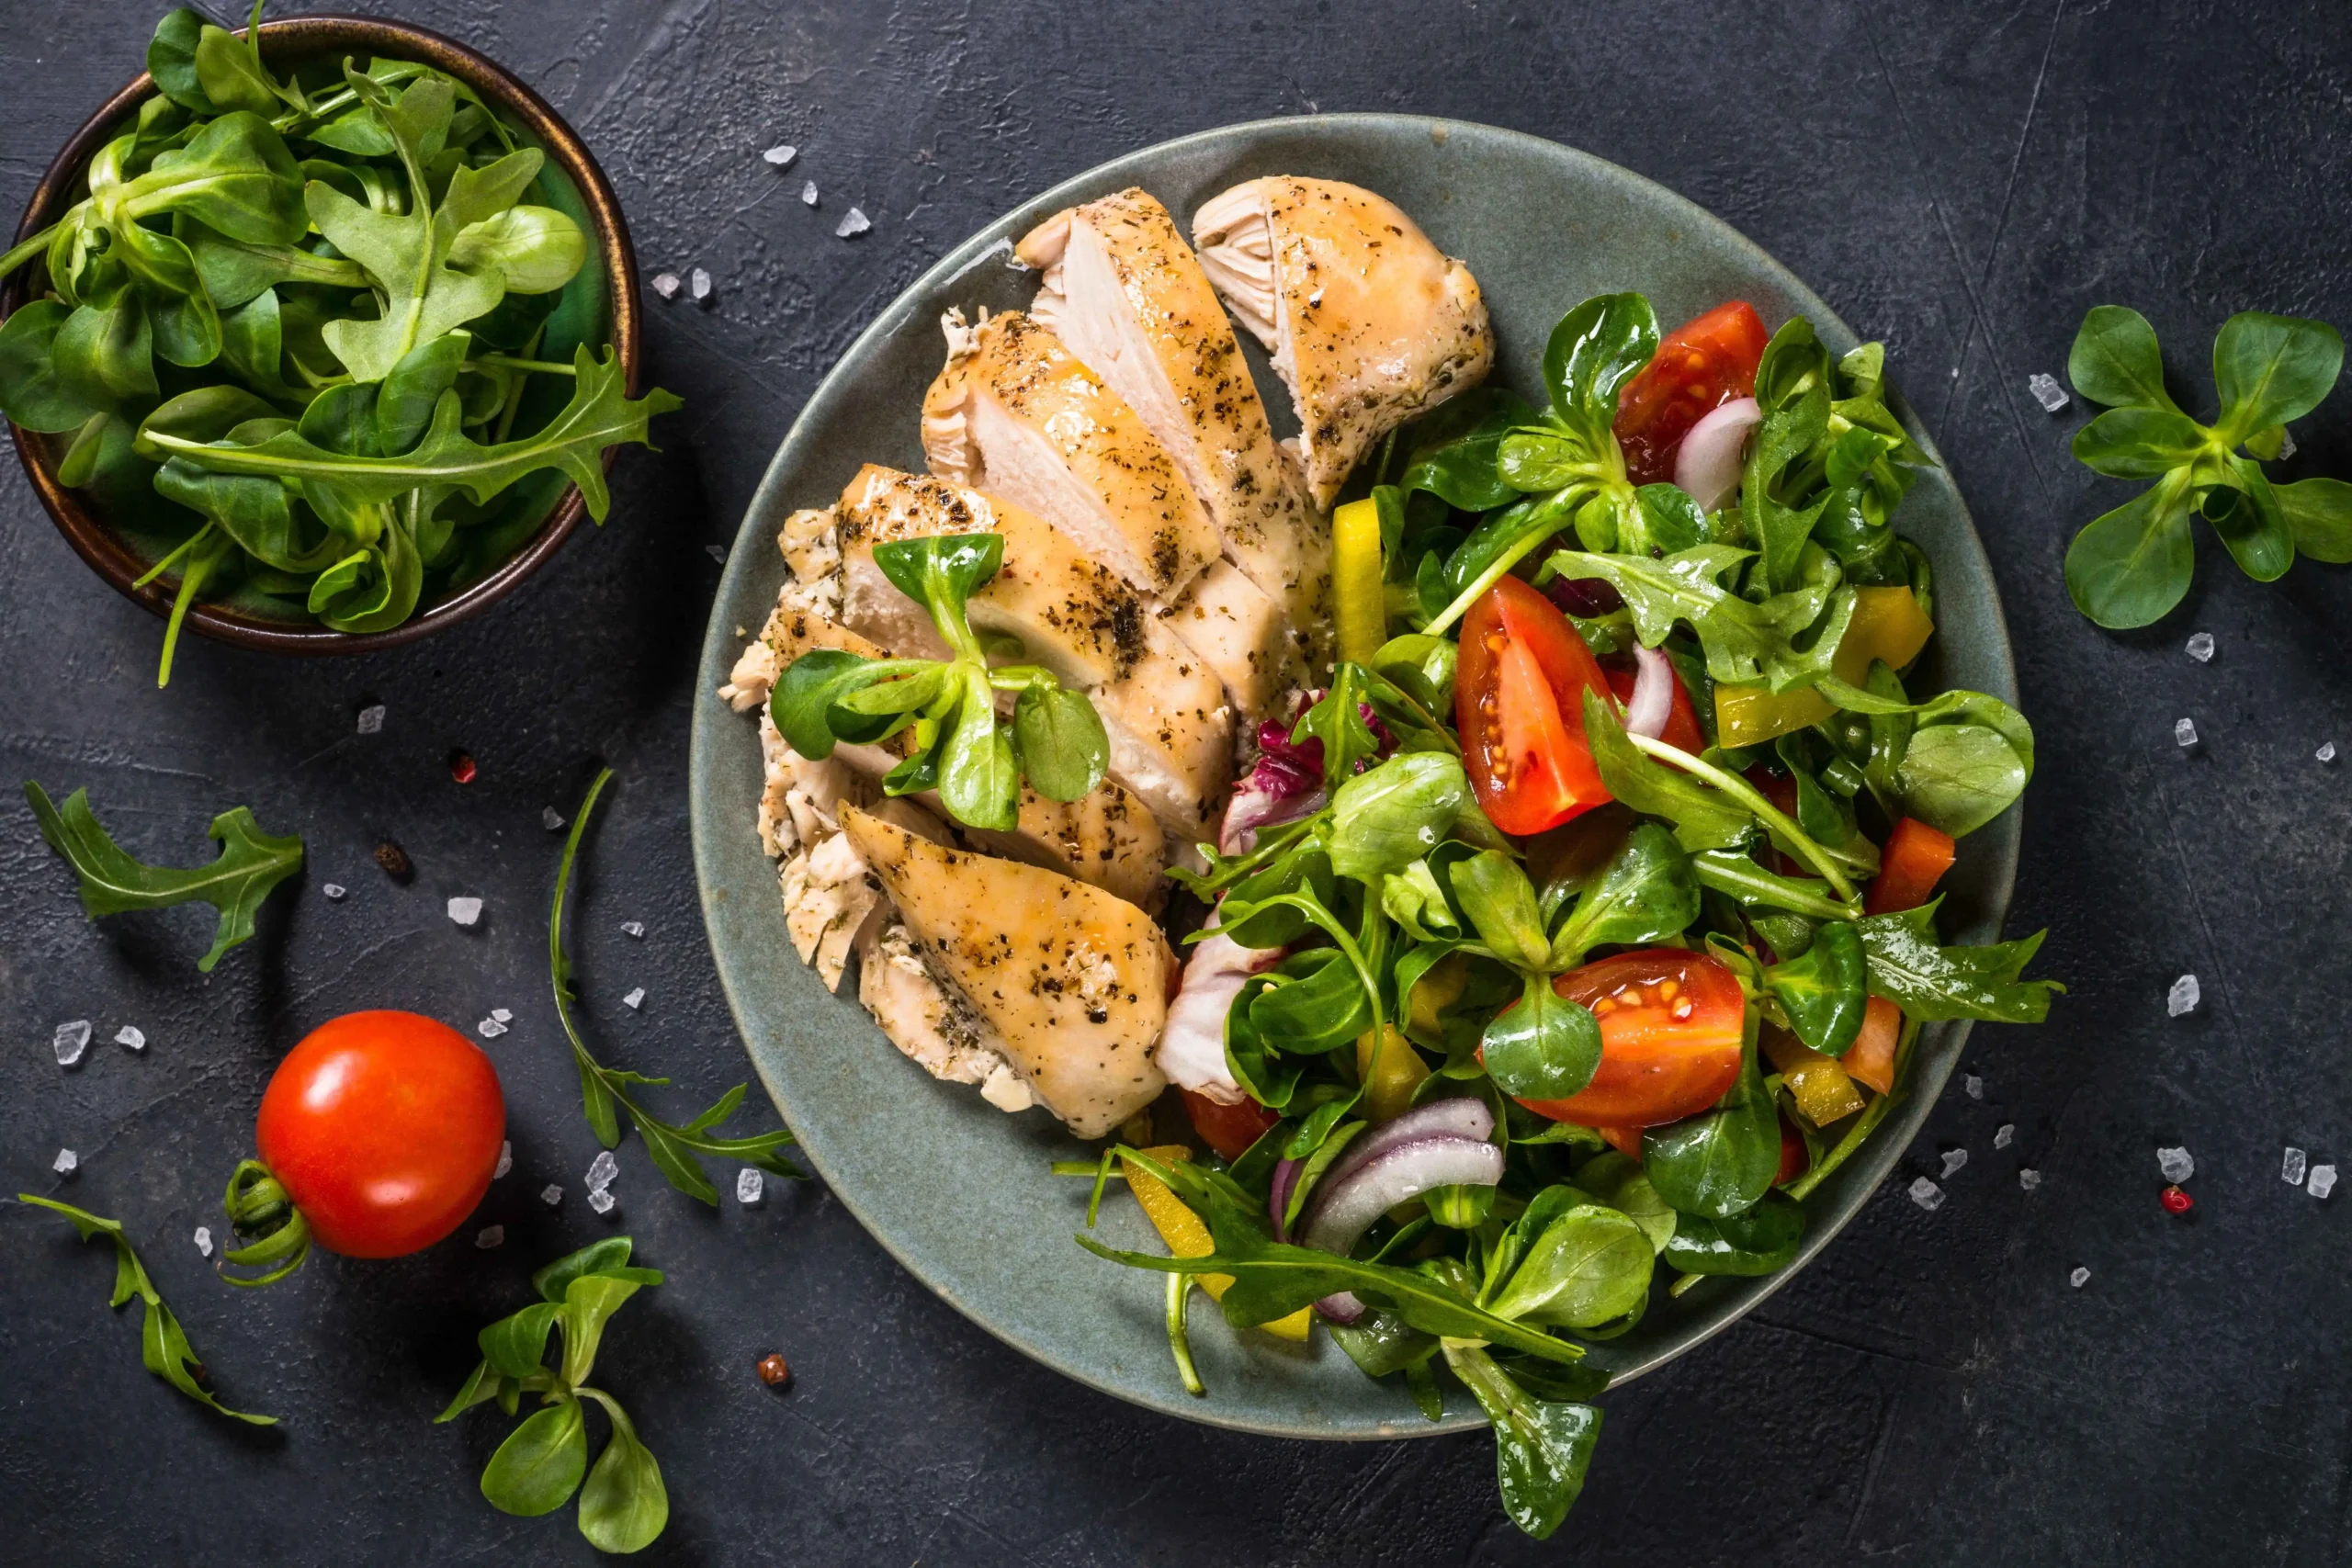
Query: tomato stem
[257, 1203]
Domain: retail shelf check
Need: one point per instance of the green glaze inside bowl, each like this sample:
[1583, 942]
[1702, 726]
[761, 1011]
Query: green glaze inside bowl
[959, 1192]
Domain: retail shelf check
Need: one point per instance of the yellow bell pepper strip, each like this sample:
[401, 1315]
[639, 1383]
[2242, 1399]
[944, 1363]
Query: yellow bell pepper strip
[1359, 600]
[1390, 1074]
[1823, 1091]
[1437, 990]
[1887, 625]
[1187, 1237]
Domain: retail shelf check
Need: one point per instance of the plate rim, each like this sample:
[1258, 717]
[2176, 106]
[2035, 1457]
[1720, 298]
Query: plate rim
[1934, 1061]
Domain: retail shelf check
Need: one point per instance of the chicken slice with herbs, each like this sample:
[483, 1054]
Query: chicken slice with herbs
[1369, 323]
[1164, 711]
[1126, 293]
[1073, 980]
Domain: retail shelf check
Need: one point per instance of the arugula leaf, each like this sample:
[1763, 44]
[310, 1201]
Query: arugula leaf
[2130, 566]
[1704, 819]
[1929, 982]
[604, 1091]
[162, 1345]
[1783, 643]
[111, 882]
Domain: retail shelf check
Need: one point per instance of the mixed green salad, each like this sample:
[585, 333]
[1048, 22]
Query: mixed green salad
[315, 337]
[1588, 917]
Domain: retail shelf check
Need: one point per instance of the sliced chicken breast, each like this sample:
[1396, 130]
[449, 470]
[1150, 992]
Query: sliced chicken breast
[1074, 981]
[1126, 293]
[1015, 414]
[1109, 838]
[1369, 324]
[1170, 726]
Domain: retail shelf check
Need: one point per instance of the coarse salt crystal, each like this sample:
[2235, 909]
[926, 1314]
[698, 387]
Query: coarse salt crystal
[2286, 444]
[70, 1041]
[635, 999]
[371, 719]
[716, 552]
[550, 1194]
[701, 285]
[334, 890]
[503, 1015]
[748, 1185]
[131, 1034]
[2293, 1166]
[602, 1169]
[1974, 1085]
[66, 1162]
[489, 1236]
[2004, 1133]
[2028, 1179]
[2079, 1277]
[550, 818]
[2326, 753]
[601, 1200]
[2321, 1181]
[204, 1240]
[465, 912]
[505, 1159]
[634, 927]
[1927, 1194]
[854, 224]
[2176, 1164]
[2046, 391]
[781, 154]
[2183, 732]
[665, 283]
[489, 1028]
[2201, 646]
[1953, 1160]
[2183, 997]
[809, 194]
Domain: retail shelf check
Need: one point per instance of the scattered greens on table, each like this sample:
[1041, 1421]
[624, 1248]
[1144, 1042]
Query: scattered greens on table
[1789, 616]
[251, 863]
[623, 1505]
[2131, 566]
[676, 1150]
[1055, 740]
[291, 331]
[162, 1343]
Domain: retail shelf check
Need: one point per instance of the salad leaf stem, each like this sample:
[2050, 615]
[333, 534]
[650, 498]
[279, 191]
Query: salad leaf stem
[604, 1091]
[1748, 795]
[1180, 1290]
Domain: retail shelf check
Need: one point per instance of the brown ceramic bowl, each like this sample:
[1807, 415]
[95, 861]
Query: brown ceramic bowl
[609, 301]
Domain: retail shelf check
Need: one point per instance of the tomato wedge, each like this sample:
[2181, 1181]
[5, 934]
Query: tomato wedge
[1671, 1024]
[1681, 722]
[1701, 365]
[1227, 1129]
[1518, 702]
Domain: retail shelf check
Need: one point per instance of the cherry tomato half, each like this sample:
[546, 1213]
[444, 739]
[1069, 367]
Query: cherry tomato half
[1670, 1030]
[1227, 1129]
[1518, 702]
[383, 1128]
[1682, 730]
[1701, 365]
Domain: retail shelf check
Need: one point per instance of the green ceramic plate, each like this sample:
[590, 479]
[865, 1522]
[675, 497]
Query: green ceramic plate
[957, 1191]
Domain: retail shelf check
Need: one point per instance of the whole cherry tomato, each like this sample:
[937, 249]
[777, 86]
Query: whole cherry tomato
[379, 1131]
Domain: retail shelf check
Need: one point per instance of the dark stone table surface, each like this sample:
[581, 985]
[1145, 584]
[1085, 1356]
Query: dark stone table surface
[1962, 179]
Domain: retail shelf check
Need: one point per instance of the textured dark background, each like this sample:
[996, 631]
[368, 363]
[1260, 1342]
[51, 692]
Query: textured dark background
[1961, 179]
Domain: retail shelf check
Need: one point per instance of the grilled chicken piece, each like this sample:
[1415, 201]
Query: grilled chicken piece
[1074, 981]
[1015, 413]
[1128, 296]
[934, 1025]
[1083, 462]
[1368, 323]
[1170, 731]
[1109, 838]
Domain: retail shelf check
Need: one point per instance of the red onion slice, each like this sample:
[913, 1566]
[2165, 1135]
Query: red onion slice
[1652, 703]
[1708, 463]
[1278, 1200]
[1341, 1212]
[1461, 1116]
